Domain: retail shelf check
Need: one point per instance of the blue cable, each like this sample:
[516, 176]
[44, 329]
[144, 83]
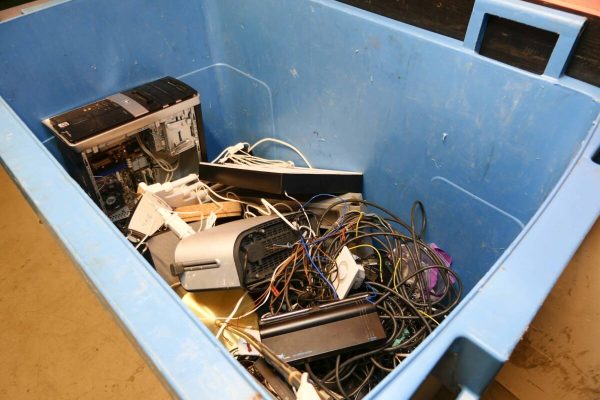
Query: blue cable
[316, 196]
[317, 268]
[343, 214]
[373, 296]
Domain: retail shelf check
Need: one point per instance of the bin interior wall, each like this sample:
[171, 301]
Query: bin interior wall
[480, 143]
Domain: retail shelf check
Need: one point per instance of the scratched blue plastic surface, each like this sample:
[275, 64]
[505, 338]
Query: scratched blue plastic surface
[499, 156]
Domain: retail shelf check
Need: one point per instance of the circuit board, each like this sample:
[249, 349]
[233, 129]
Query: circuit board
[156, 154]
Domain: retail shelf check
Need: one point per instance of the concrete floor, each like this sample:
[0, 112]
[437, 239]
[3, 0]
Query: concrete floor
[57, 341]
[559, 357]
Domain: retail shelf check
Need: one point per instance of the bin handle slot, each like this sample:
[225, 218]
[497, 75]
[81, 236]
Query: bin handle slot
[567, 26]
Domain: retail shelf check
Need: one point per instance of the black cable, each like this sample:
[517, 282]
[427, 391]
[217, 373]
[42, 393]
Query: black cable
[399, 284]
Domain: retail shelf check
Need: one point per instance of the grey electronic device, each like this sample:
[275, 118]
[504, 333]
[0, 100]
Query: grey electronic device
[241, 253]
[162, 250]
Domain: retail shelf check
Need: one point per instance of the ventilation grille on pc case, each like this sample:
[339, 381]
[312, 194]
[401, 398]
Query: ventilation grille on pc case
[265, 247]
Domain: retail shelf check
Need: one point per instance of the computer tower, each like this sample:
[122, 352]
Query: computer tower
[151, 133]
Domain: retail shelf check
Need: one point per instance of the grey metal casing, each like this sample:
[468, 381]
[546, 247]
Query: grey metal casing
[162, 250]
[217, 245]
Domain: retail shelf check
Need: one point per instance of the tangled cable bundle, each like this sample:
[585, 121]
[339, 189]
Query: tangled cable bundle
[410, 283]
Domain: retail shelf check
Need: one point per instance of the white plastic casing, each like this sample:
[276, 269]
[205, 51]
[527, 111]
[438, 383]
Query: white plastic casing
[179, 193]
[349, 273]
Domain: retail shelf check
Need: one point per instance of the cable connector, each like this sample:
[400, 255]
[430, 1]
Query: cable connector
[182, 192]
[349, 273]
[231, 151]
[175, 223]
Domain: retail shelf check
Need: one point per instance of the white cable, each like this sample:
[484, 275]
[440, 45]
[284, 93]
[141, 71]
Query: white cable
[148, 234]
[230, 151]
[163, 164]
[219, 156]
[237, 155]
[270, 207]
[230, 199]
[285, 205]
[302, 209]
[235, 309]
[249, 214]
[247, 205]
[281, 142]
[142, 241]
[309, 229]
[248, 159]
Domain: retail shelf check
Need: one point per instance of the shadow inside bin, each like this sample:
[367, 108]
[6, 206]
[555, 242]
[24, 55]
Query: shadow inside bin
[236, 107]
[459, 368]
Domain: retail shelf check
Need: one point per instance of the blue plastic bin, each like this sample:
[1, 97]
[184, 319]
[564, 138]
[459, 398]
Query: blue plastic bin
[502, 158]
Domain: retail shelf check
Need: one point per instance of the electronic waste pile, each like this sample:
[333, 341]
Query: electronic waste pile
[316, 291]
